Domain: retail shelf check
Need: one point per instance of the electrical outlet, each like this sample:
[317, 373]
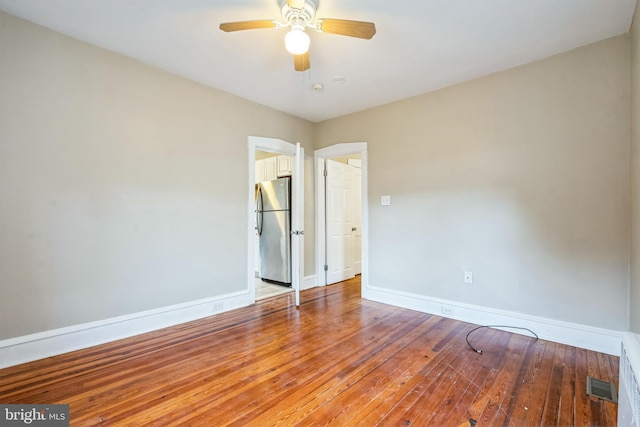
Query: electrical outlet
[446, 310]
[217, 306]
[385, 200]
[468, 277]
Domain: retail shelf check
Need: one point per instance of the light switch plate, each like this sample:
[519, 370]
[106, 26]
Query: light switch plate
[385, 200]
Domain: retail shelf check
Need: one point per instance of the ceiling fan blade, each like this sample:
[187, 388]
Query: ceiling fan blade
[248, 25]
[296, 4]
[301, 62]
[344, 27]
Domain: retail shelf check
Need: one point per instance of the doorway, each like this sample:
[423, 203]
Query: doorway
[295, 154]
[272, 280]
[323, 229]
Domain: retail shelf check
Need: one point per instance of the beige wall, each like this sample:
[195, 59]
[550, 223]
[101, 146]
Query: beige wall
[635, 173]
[122, 187]
[521, 177]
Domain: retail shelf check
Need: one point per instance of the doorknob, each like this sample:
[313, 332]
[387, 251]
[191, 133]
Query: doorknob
[354, 228]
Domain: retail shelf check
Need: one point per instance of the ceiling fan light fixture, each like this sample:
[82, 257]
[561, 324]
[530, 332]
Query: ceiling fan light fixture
[297, 41]
[299, 15]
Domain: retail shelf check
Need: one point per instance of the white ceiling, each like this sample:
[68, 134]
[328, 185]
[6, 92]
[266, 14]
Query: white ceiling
[420, 45]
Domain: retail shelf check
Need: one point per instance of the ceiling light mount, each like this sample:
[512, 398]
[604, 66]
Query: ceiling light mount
[306, 13]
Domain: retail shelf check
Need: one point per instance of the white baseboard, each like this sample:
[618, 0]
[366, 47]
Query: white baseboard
[27, 348]
[577, 335]
[36, 346]
[309, 282]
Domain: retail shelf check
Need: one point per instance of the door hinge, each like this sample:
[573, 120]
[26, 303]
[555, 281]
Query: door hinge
[326, 267]
[325, 173]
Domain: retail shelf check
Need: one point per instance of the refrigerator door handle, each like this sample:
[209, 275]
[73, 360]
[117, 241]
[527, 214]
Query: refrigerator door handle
[259, 205]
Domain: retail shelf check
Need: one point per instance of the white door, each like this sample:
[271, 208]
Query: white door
[356, 203]
[343, 221]
[297, 223]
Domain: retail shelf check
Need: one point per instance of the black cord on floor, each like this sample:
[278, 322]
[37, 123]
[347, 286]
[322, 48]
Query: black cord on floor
[493, 326]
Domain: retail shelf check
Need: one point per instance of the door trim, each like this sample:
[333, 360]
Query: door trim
[320, 157]
[278, 146]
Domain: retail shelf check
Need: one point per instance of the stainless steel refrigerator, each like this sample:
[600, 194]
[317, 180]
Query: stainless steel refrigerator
[273, 222]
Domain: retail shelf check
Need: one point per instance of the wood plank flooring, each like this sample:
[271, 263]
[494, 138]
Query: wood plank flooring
[337, 360]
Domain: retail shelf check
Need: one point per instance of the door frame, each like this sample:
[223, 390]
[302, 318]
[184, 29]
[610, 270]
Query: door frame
[320, 156]
[278, 146]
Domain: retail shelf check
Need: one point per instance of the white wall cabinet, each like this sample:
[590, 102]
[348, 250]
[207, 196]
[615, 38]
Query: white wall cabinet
[259, 171]
[270, 168]
[273, 168]
[284, 166]
[266, 169]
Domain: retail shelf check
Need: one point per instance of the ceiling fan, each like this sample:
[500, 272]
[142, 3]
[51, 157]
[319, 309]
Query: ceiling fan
[299, 15]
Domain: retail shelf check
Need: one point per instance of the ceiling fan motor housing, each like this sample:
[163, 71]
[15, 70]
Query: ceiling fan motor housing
[293, 15]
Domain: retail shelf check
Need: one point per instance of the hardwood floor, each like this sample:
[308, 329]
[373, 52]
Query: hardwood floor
[337, 360]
